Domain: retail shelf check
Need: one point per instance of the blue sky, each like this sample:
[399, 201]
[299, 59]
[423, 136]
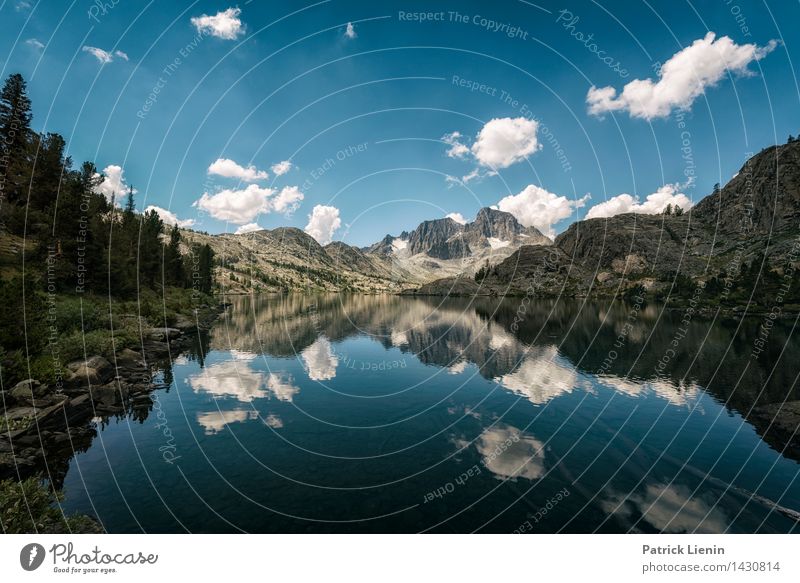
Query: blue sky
[393, 120]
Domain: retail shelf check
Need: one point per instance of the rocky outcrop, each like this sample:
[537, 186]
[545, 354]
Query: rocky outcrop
[440, 238]
[501, 226]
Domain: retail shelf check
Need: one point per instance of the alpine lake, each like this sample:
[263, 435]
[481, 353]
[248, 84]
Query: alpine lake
[358, 413]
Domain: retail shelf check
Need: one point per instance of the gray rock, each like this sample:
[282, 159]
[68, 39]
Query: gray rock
[95, 370]
[26, 391]
[163, 334]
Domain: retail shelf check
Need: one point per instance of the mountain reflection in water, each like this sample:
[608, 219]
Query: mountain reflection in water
[350, 413]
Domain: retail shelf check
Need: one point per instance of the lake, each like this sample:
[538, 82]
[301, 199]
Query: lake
[353, 413]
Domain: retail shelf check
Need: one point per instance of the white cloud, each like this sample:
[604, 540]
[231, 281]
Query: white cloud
[229, 169]
[215, 421]
[510, 453]
[281, 168]
[248, 228]
[323, 222]
[237, 206]
[229, 379]
[457, 149]
[471, 176]
[288, 200]
[281, 386]
[101, 55]
[457, 217]
[350, 31]
[506, 141]
[654, 203]
[320, 360]
[225, 25]
[670, 508]
[169, 217]
[113, 183]
[536, 207]
[35, 43]
[22, 6]
[682, 79]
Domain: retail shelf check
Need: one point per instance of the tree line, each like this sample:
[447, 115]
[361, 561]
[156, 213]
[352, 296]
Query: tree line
[60, 236]
[92, 243]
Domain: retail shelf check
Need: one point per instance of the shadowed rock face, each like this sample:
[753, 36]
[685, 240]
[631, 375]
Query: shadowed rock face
[633, 243]
[763, 198]
[441, 238]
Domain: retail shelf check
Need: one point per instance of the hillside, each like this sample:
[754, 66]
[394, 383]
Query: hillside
[287, 258]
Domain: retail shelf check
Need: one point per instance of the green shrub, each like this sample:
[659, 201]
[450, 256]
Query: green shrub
[31, 507]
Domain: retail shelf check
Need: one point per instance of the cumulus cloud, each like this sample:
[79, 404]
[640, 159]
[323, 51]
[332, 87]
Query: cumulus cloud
[506, 141]
[113, 184]
[350, 31]
[229, 169]
[225, 25]
[169, 217]
[457, 217]
[281, 168]
[35, 43]
[655, 203]
[288, 200]
[536, 207]
[681, 80]
[101, 55]
[456, 149]
[236, 206]
[323, 222]
[248, 228]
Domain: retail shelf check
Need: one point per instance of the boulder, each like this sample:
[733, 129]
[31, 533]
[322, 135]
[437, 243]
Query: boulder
[185, 324]
[95, 370]
[163, 334]
[27, 391]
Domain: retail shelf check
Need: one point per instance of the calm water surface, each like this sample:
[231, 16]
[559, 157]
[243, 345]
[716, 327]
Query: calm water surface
[355, 413]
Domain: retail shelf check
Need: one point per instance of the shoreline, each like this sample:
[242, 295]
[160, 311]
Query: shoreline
[42, 425]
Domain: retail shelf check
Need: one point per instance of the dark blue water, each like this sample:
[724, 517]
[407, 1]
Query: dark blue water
[390, 414]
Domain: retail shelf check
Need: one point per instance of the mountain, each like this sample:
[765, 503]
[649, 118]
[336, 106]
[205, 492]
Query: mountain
[440, 238]
[287, 258]
[445, 248]
[757, 213]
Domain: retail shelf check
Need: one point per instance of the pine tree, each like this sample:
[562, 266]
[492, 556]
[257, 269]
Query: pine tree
[15, 112]
[15, 122]
[678, 211]
[668, 210]
[205, 268]
[149, 247]
[173, 262]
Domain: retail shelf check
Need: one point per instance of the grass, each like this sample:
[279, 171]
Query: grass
[80, 326]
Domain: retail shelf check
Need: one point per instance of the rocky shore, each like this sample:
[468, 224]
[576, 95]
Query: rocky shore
[42, 425]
